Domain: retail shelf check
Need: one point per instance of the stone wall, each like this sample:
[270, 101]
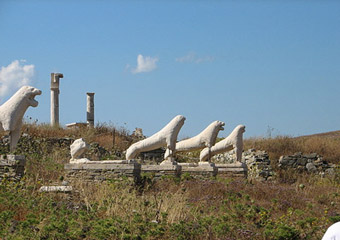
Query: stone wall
[12, 167]
[162, 170]
[102, 171]
[258, 163]
[312, 163]
[199, 171]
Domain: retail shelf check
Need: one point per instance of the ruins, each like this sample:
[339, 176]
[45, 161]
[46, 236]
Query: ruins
[78, 148]
[206, 138]
[12, 112]
[90, 109]
[55, 77]
[233, 141]
[89, 113]
[166, 137]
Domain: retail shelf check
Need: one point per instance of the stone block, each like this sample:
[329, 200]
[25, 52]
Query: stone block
[311, 156]
[231, 165]
[65, 189]
[160, 170]
[103, 170]
[202, 169]
[311, 167]
[11, 160]
[188, 164]
[233, 169]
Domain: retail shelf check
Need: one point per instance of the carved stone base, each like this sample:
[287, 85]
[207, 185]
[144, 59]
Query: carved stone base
[110, 162]
[204, 169]
[188, 164]
[103, 170]
[237, 169]
[165, 168]
[169, 161]
[12, 167]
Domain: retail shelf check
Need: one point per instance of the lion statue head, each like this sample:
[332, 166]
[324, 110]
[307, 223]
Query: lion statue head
[219, 125]
[28, 93]
[13, 110]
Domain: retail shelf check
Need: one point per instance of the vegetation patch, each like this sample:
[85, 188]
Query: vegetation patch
[163, 208]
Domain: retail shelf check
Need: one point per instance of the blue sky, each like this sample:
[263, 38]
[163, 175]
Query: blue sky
[257, 63]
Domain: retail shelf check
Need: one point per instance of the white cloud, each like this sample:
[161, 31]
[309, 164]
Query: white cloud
[145, 64]
[14, 76]
[193, 58]
[190, 57]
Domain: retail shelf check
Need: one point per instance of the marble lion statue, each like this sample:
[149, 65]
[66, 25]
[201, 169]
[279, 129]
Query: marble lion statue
[12, 112]
[206, 138]
[333, 232]
[166, 137]
[234, 140]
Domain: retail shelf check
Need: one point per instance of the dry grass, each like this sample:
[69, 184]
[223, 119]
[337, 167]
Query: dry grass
[111, 137]
[328, 147]
[106, 135]
[121, 200]
[190, 200]
[221, 208]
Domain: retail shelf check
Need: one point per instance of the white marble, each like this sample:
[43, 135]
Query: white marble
[55, 77]
[90, 109]
[12, 112]
[333, 232]
[55, 189]
[233, 141]
[110, 162]
[168, 161]
[78, 148]
[188, 164]
[166, 137]
[206, 138]
[79, 160]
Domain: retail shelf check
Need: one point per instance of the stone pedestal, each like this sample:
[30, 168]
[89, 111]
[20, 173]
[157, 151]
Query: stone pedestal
[164, 169]
[12, 167]
[103, 170]
[237, 169]
[169, 161]
[202, 169]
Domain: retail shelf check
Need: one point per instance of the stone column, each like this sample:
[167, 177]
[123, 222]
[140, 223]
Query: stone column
[55, 98]
[90, 109]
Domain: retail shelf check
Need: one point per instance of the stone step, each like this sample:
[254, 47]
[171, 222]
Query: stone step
[66, 189]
